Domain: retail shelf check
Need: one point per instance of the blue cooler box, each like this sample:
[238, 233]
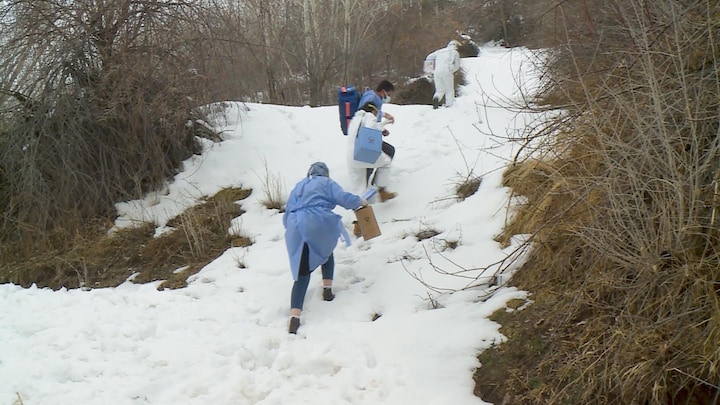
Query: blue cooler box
[368, 145]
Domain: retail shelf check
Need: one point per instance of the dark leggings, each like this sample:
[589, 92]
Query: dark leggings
[300, 286]
[388, 150]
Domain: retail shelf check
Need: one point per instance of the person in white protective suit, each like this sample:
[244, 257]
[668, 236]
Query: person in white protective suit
[447, 62]
[377, 173]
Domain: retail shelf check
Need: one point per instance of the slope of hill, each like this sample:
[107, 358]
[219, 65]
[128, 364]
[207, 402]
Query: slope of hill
[395, 334]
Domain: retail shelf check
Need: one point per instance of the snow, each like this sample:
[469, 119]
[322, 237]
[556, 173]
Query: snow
[223, 339]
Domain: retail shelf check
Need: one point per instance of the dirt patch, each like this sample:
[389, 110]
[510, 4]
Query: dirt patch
[503, 376]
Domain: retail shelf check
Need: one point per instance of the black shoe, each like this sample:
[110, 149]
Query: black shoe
[436, 103]
[294, 325]
[327, 294]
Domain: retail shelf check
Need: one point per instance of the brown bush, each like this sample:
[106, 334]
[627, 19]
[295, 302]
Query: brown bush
[95, 112]
[623, 212]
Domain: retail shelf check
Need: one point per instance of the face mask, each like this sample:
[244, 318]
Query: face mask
[386, 99]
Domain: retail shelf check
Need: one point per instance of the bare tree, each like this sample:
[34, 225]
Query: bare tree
[95, 96]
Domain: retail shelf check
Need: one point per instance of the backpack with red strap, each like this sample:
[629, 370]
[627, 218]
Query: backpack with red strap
[348, 99]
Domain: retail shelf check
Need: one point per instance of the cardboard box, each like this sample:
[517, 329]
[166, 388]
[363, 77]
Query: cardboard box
[367, 222]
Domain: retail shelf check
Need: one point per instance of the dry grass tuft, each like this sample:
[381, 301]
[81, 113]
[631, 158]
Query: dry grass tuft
[274, 191]
[468, 187]
[95, 260]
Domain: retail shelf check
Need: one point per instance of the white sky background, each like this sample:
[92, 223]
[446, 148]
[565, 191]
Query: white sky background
[223, 339]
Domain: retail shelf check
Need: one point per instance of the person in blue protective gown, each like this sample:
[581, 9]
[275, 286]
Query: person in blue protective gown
[312, 231]
[378, 97]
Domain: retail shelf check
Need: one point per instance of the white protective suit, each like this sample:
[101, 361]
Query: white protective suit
[447, 62]
[358, 169]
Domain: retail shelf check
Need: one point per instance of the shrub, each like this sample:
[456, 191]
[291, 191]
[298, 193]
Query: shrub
[91, 115]
[420, 90]
[620, 199]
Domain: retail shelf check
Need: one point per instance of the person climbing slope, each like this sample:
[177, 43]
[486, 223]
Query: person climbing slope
[447, 62]
[312, 231]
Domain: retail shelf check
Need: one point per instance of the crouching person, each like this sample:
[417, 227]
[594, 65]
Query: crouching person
[312, 231]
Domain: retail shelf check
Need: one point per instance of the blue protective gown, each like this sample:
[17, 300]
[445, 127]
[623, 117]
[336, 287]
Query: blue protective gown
[371, 96]
[309, 219]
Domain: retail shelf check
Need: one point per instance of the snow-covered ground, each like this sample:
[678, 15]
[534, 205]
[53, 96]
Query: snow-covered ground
[223, 339]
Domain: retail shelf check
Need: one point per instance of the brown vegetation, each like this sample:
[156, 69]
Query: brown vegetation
[95, 101]
[620, 199]
[94, 259]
